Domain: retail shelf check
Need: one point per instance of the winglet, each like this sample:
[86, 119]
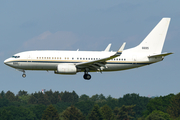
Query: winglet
[107, 48]
[121, 49]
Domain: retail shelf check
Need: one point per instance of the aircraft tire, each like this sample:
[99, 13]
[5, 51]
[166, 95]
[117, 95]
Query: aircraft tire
[23, 75]
[87, 76]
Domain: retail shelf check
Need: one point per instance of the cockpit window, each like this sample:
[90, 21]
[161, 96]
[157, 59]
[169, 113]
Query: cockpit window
[15, 56]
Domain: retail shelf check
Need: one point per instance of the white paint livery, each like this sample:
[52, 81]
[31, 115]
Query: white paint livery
[71, 62]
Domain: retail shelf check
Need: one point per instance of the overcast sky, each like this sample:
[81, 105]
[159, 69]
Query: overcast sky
[89, 25]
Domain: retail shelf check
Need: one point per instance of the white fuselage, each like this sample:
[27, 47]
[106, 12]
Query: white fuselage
[49, 60]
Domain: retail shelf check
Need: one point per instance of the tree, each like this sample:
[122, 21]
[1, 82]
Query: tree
[50, 113]
[32, 100]
[106, 112]
[24, 98]
[174, 107]
[69, 97]
[135, 99]
[19, 113]
[21, 93]
[85, 106]
[84, 97]
[158, 103]
[95, 113]
[38, 110]
[10, 96]
[158, 115]
[5, 115]
[2, 95]
[124, 113]
[72, 113]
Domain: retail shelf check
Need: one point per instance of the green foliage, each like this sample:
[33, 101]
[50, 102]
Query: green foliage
[24, 98]
[158, 103]
[38, 110]
[158, 115]
[50, 113]
[2, 95]
[61, 106]
[69, 97]
[18, 113]
[124, 113]
[72, 113]
[107, 112]
[4, 102]
[134, 99]
[33, 106]
[174, 107]
[95, 113]
[84, 98]
[10, 96]
[22, 93]
[85, 106]
[6, 115]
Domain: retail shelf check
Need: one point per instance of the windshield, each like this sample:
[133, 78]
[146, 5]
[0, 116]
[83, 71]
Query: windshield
[15, 56]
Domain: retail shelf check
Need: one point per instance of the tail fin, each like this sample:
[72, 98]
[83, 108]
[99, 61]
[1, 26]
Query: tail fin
[154, 42]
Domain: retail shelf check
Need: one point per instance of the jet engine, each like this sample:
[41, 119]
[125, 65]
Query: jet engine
[66, 68]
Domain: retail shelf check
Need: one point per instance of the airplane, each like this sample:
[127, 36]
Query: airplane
[72, 62]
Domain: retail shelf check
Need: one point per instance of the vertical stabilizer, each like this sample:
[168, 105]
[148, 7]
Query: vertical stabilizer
[154, 42]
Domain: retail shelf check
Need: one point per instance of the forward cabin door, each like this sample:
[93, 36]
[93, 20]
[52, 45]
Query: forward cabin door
[134, 59]
[29, 58]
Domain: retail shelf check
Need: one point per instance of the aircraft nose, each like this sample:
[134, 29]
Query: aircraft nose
[7, 62]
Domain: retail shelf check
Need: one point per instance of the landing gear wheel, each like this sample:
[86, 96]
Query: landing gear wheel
[23, 75]
[87, 76]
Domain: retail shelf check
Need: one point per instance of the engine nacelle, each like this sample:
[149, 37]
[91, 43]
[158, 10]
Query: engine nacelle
[65, 68]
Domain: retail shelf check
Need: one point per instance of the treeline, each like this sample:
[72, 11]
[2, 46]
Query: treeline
[69, 106]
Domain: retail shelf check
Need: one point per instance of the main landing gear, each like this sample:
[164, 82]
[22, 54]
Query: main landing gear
[86, 75]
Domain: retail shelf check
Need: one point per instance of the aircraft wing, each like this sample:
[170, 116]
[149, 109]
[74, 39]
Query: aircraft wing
[99, 64]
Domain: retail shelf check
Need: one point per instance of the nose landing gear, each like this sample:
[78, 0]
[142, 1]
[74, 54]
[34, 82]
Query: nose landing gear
[24, 74]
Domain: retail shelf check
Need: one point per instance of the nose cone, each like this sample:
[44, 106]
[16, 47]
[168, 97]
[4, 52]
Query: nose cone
[7, 62]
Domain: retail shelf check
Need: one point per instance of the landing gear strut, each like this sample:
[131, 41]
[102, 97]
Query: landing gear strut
[86, 75]
[24, 74]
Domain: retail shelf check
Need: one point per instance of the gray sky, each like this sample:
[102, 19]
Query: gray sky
[89, 25]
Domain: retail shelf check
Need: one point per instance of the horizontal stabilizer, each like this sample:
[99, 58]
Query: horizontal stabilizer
[160, 55]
